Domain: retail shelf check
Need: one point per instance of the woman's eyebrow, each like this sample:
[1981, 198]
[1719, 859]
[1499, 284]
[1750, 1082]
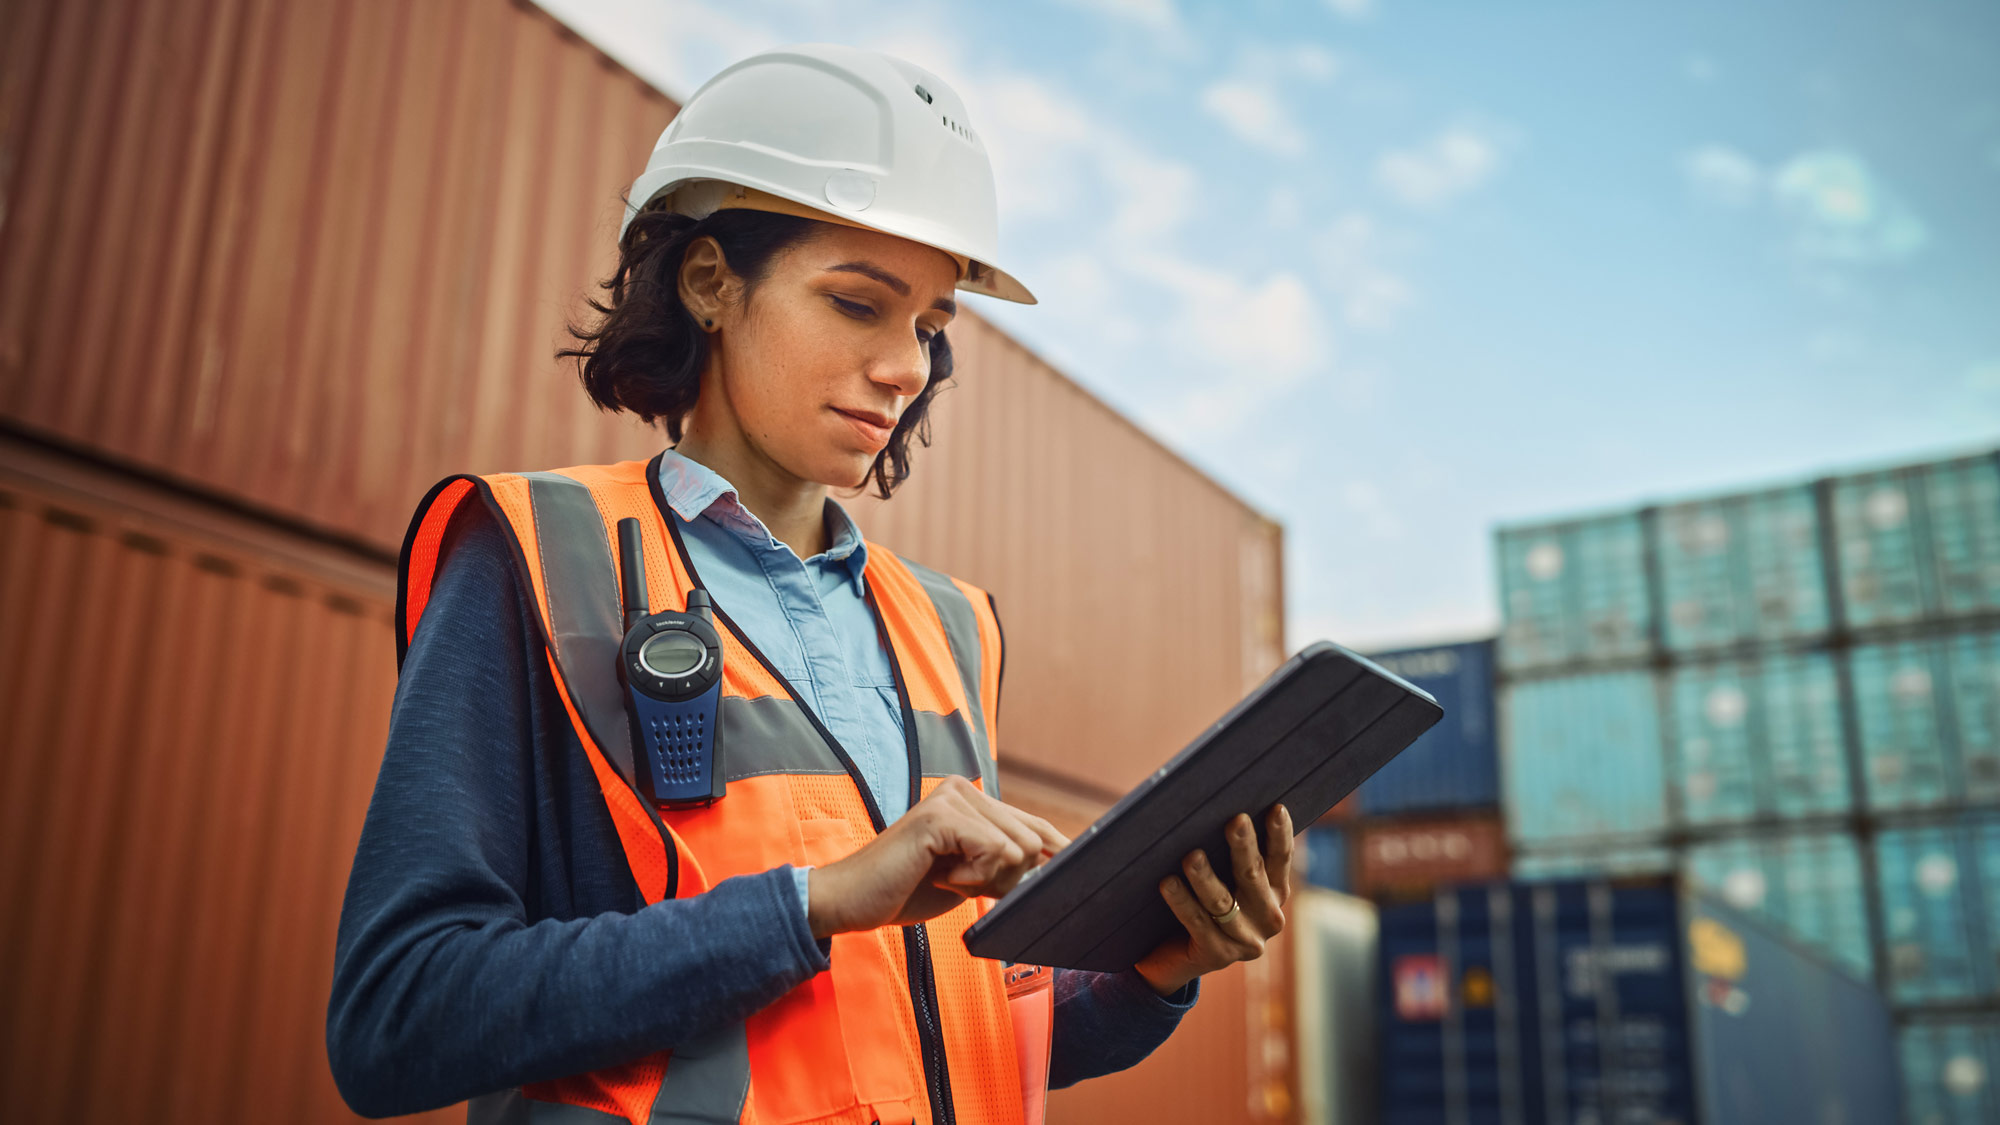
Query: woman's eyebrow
[902, 288]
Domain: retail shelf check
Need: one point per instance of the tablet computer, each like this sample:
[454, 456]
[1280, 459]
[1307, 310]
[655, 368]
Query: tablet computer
[1307, 736]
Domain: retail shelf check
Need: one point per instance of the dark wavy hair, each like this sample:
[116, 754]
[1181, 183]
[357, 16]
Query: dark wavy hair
[646, 351]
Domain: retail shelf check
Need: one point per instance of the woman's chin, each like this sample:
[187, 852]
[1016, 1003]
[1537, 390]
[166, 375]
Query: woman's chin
[848, 471]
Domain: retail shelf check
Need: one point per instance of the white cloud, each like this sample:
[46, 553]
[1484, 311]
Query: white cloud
[1449, 165]
[1721, 174]
[1154, 15]
[1256, 113]
[1350, 254]
[1152, 196]
[1352, 9]
[1262, 60]
[1160, 19]
[1282, 208]
[1268, 329]
[1251, 339]
[1841, 212]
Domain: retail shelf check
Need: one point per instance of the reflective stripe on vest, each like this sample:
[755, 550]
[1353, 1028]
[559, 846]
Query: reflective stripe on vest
[792, 799]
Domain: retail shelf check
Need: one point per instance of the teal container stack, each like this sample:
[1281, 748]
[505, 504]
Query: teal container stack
[1791, 696]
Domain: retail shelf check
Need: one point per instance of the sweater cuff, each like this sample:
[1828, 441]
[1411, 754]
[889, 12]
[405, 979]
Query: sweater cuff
[825, 944]
[788, 905]
[1141, 993]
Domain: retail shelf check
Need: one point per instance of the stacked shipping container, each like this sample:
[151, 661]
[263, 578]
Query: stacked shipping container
[1606, 1001]
[1792, 696]
[344, 239]
[1431, 816]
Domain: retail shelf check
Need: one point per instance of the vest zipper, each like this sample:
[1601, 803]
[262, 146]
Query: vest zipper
[916, 939]
[930, 1035]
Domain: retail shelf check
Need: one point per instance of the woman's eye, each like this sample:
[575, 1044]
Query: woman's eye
[853, 308]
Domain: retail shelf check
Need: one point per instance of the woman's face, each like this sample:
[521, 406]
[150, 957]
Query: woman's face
[829, 348]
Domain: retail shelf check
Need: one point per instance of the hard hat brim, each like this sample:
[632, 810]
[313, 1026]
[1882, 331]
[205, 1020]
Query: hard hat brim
[975, 276]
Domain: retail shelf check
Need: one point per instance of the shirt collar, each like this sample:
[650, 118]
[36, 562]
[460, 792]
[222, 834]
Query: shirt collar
[692, 489]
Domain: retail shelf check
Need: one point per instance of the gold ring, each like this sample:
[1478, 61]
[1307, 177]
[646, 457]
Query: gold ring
[1229, 915]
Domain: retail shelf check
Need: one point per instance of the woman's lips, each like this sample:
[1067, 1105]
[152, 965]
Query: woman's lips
[869, 426]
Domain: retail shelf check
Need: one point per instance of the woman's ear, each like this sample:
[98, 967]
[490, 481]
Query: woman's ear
[707, 283]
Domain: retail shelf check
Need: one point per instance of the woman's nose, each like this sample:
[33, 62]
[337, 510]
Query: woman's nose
[906, 370]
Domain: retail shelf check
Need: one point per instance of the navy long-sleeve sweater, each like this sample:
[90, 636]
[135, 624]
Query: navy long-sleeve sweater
[491, 933]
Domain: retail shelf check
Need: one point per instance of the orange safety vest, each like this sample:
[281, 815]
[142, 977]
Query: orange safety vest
[906, 1026]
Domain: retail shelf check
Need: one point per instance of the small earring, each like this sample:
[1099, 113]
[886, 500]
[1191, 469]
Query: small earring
[708, 324]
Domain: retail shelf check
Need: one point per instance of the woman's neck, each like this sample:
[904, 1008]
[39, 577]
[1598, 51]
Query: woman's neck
[793, 509]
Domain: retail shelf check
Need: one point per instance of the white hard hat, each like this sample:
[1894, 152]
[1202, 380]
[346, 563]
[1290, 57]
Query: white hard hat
[842, 135]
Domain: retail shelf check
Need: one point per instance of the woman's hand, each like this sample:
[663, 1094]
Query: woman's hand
[953, 845]
[1222, 928]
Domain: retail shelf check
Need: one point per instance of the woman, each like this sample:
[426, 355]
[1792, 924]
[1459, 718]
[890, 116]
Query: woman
[525, 925]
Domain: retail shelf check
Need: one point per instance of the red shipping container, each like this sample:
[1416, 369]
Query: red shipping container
[1417, 856]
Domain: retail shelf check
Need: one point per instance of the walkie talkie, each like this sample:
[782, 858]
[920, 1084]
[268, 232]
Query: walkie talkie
[671, 666]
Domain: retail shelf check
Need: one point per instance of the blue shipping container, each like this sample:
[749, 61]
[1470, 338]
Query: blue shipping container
[1950, 1067]
[1974, 698]
[1941, 908]
[1582, 759]
[1807, 884]
[1759, 738]
[1455, 764]
[1741, 568]
[1919, 542]
[1574, 591]
[1593, 862]
[1898, 699]
[1962, 510]
[1618, 1002]
[1327, 863]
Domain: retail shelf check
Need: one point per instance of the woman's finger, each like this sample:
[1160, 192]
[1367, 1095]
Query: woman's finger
[1200, 924]
[1280, 839]
[1239, 933]
[1041, 836]
[1253, 890]
[1014, 823]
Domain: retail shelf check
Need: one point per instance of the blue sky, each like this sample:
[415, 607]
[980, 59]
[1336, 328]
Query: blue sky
[1395, 272]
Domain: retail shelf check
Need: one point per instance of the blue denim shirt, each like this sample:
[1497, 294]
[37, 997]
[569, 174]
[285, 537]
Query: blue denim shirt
[808, 616]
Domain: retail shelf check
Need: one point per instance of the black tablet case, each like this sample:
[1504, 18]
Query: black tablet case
[1310, 734]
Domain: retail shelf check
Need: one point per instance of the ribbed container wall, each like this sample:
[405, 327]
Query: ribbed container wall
[1455, 764]
[359, 227]
[1574, 592]
[1582, 758]
[1951, 1071]
[1940, 906]
[194, 712]
[367, 223]
[1402, 858]
[1741, 568]
[1599, 859]
[1808, 883]
[1920, 541]
[1329, 862]
[1628, 1001]
[1758, 738]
